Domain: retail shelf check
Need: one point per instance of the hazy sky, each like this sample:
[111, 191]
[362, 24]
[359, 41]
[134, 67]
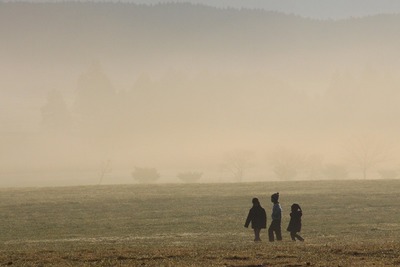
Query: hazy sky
[321, 9]
[187, 88]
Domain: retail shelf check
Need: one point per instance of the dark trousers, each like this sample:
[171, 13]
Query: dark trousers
[257, 234]
[275, 227]
[294, 235]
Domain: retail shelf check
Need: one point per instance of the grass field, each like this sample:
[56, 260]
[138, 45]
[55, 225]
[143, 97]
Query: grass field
[345, 223]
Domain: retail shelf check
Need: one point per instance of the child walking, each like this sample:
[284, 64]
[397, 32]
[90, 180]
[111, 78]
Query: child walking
[258, 219]
[295, 222]
[275, 226]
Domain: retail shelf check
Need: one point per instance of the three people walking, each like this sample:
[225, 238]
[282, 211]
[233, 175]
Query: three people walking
[258, 219]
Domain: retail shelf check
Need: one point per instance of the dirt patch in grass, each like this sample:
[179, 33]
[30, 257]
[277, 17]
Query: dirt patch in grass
[247, 255]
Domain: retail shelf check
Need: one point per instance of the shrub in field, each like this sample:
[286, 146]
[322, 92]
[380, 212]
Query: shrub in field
[145, 175]
[388, 174]
[190, 177]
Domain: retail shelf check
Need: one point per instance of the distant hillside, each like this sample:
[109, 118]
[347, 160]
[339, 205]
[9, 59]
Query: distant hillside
[327, 9]
[257, 57]
[175, 83]
[190, 36]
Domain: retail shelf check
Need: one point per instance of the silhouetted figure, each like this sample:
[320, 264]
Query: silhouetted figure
[276, 219]
[295, 222]
[258, 219]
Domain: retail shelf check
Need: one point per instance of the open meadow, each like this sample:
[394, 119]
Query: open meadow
[345, 223]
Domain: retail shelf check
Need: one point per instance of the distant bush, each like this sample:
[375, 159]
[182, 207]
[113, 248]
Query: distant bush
[388, 174]
[190, 177]
[145, 175]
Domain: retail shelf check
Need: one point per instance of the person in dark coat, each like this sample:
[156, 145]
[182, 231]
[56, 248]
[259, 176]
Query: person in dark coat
[258, 218]
[294, 226]
[275, 226]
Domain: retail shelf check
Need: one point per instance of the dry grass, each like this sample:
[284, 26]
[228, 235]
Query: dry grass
[346, 223]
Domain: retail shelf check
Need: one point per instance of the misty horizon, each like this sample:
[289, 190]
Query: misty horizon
[162, 87]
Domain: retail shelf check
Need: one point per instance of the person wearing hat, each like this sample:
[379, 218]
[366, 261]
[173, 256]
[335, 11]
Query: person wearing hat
[275, 227]
[258, 218]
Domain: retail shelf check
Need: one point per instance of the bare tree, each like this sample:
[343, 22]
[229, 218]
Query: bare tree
[285, 163]
[367, 153]
[237, 163]
[105, 168]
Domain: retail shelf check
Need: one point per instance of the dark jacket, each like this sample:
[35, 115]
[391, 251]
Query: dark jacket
[295, 221]
[257, 217]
